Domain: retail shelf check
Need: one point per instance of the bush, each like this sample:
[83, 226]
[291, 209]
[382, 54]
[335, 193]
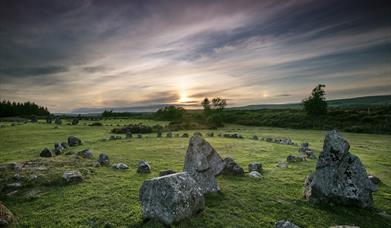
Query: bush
[134, 128]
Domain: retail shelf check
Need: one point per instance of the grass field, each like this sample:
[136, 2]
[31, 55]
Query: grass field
[111, 197]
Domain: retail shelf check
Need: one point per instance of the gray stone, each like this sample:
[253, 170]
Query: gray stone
[85, 153]
[159, 133]
[232, 168]
[169, 135]
[139, 136]
[210, 134]
[203, 163]
[58, 120]
[65, 145]
[172, 198]
[197, 134]
[344, 226]
[143, 167]
[255, 174]
[285, 224]
[74, 141]
[73, 177]
[120, 166]
[185, 135]
[269, 139]
[58, 148]
[340, 177]
[75, 121]
[103, 159]
[129, 134]
[282, 165]
[254, 166]
[293, 158]
[166, 172]
[6, 216]
[46, 153]
[255, 137]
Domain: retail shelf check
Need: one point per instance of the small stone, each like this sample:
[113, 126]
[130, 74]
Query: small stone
[254, 166]
[210, 134]
[73, 177]
[185, 135]
[255, 137]
[65, 145]
[120, 166]
[232, 168]
[293, 158]
[46, 153]
[285, 224]
[85, 153]
[139, 136]
[282, 165]
[143, 167]
[269, 139]
[103, 159]
[255, 174]
[74, 141]
[169, 135]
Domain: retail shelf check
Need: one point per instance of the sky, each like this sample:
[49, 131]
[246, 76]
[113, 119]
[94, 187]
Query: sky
[70, 55]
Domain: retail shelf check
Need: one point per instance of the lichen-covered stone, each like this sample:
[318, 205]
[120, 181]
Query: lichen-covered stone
[143, 167]
[340, 177]
[203, 163]
[232, 168]
[171, 198]
[74, 141]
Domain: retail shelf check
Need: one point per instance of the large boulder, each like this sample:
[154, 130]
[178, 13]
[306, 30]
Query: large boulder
[171, 198]
[340, 177]
[203, 163]
[6, 216]
[232, 168]
[74, 141]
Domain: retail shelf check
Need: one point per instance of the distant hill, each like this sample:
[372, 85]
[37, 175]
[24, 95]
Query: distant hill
[357, 102]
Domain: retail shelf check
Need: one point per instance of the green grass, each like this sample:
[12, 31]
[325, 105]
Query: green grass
[111, 196]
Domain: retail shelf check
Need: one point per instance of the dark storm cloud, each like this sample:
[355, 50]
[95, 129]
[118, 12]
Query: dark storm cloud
[149, 52]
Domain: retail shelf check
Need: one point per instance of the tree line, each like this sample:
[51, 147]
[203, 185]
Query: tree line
[8, 109]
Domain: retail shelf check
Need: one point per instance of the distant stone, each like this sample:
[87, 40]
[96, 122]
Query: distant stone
[65, 145]
[143, 167]
[197, 134]
[75, 121]
[293, 158]
[73, 177]
[282, 165]
[46, 153]
[203, 163]
[139, 136]
[255, 137]
[49, 119]
[170, 199]
[58, 120]
[6, 216]
[129, 134]
[269, 139]
[255, 174]
[210, 134]
[304, 149]
[120, 166]
[285, 224]
[185, 135]
[159, 133]
[374, 179]
[103, 159]
[344, 226]
[254, 166]
[166, 172]
[232, 168]
[74, 141]
[169, 135]
[85, 153]
[114, 137]
[340, 177]
[58, 148]
[34, 119]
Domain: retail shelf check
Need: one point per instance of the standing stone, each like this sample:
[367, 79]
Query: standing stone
[33, 119]
[203, 163]
[159, 133]
[339, 177]
[171, 198]
[75, 121]
[58, 120]
[143, 167]
[129, 134]
[49, 119]
[232, 168]
[255, 137]
[73, 141]
[103, 159]
[46, 153]
[255, 166]
[6, 216]
[169, 134]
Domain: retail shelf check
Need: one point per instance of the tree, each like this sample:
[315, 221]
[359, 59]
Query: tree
[170, 113]
[316, 104]
[206, 105]
[219, 104]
